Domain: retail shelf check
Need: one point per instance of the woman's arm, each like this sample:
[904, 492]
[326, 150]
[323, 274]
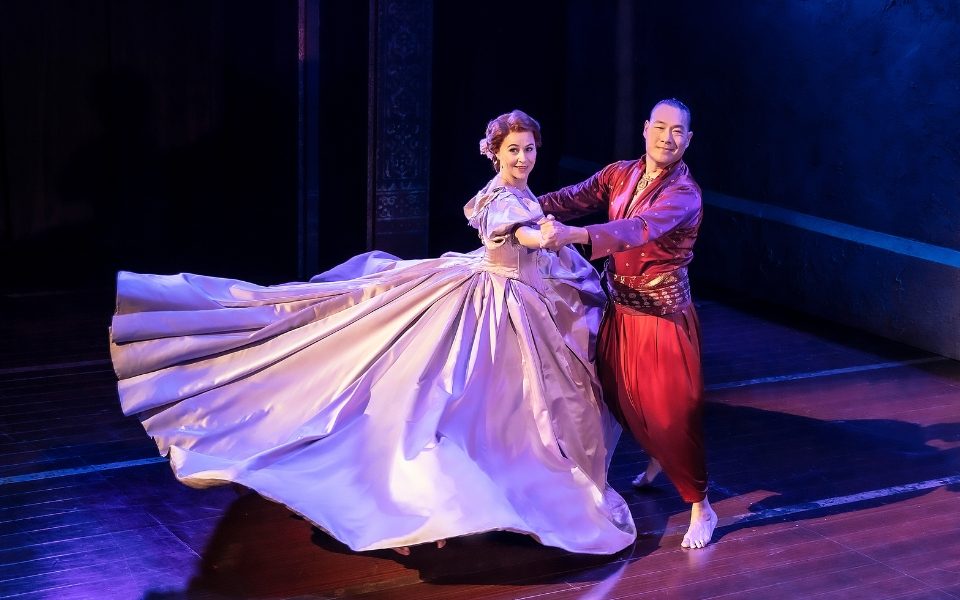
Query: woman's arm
[555, 235]
[528, 236]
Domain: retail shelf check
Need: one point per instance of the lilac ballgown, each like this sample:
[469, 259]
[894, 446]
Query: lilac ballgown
[390, 402]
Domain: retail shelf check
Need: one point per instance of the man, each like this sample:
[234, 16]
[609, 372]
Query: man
[648, 350]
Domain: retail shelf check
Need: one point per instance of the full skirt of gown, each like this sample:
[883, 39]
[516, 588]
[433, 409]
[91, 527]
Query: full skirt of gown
[390, 402]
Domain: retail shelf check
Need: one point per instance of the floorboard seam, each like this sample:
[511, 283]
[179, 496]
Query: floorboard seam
[81, 470]
[54, 366]
[823, 373]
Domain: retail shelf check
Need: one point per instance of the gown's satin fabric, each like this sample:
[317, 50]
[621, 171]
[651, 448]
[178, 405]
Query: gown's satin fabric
[391, 402]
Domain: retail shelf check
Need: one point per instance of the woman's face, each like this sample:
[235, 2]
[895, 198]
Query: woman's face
[517, 155]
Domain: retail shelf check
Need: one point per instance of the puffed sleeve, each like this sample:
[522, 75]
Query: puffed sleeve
[676, 207]
[497, 214]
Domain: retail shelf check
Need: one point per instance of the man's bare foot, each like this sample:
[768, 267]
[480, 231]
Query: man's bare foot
[702, 523]
[646, 478]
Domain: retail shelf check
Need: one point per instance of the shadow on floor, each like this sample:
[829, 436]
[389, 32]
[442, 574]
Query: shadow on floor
[259, 549]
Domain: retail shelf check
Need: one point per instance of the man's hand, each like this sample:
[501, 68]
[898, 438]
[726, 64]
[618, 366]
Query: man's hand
[555, 235]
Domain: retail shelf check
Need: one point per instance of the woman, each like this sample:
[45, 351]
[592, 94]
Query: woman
[393, 402]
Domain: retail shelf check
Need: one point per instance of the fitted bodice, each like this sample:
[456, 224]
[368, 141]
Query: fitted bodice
[513, 260]
[508, 210]
[496, 212]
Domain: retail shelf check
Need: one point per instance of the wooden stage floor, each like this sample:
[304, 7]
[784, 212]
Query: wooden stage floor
[834, 458]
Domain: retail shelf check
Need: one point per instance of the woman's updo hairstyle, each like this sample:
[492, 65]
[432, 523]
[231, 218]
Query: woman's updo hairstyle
[499, 128]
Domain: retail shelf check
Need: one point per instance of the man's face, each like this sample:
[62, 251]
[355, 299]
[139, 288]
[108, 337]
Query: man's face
[667, 135]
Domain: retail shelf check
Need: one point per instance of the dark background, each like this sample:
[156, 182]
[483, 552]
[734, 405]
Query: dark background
[162, 136]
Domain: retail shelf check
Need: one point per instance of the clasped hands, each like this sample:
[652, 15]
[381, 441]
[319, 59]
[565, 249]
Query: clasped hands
[555, 235]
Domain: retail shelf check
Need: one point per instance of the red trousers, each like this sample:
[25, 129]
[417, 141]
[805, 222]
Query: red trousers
[649, 368]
